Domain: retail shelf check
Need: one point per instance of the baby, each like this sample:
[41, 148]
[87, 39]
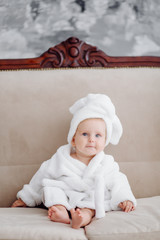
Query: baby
[80, 179]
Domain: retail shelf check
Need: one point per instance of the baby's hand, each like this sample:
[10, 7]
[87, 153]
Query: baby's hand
[19, 203]
[50, 211]
[127, 206]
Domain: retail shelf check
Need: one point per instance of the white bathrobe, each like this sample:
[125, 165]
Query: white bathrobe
[69, 182]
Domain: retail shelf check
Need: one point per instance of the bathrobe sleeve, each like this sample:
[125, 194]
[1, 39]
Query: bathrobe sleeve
[32, 193]
[118, 185]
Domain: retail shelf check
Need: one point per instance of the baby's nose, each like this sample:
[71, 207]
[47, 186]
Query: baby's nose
[91, 139]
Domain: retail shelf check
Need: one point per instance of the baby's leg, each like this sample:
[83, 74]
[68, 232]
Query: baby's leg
[81, 217]
[58, 213]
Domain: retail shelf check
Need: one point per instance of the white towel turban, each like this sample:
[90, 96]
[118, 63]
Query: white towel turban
[96, 106]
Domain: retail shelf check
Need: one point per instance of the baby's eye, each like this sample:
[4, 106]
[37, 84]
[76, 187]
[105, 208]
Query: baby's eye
[84, 134]
[98, 135]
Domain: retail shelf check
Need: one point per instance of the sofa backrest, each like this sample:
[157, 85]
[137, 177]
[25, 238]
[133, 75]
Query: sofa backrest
[34, 121]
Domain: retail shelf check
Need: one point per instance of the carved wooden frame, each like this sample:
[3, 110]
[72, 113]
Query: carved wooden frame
[76, 53]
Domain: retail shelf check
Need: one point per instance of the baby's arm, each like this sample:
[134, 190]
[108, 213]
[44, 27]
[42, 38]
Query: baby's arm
[31, 194]
[121, 193]
[127, 206]
[19, 203]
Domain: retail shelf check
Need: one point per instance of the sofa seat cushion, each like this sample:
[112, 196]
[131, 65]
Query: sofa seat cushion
[33, 224]
[143, 223]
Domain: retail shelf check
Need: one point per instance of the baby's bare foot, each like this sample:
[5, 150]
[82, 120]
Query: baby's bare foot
[77, 218]
[58, 214]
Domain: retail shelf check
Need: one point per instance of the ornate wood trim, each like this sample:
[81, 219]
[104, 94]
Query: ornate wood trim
[76, 53]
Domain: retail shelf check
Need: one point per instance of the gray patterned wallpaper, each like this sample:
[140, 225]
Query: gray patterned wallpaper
[118, 27]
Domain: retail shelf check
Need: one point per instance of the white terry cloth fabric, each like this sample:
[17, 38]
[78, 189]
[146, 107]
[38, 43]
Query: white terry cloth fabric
[67, 181]
[96, 106]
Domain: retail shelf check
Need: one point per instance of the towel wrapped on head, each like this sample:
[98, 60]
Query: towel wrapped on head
[96, 106]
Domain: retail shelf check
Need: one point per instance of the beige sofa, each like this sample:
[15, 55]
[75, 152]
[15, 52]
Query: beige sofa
[34, 122]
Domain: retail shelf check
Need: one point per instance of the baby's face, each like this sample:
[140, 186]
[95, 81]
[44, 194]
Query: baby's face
[90, 137]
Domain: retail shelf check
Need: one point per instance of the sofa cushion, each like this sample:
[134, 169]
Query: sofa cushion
[34, 122]
[33, 223]
[143, 223]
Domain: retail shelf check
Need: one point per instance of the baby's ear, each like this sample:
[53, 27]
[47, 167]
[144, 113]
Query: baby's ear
[73, 141]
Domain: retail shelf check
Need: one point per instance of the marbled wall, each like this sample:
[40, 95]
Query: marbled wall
[118, 27]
